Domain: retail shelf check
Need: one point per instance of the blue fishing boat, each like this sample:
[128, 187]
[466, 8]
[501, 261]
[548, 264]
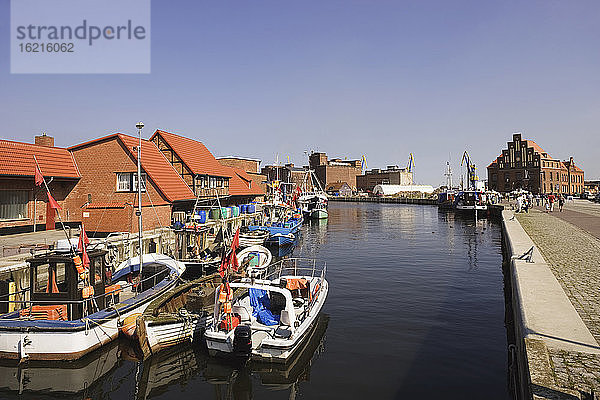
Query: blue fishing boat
[282, 222]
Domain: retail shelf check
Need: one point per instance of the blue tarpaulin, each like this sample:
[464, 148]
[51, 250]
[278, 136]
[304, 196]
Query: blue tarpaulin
[259, 300]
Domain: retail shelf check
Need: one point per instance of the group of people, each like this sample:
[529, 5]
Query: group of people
[547, 201]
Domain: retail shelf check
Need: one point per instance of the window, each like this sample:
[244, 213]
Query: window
[127, 182]
[13, 204]
[50, 278]
[212, 182]
[123, 182]
[134, 182]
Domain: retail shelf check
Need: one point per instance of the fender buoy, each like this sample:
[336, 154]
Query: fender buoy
[129, 325]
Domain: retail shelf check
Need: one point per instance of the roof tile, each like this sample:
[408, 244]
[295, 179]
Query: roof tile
[16, 158]
[159, 169]
[194, 154]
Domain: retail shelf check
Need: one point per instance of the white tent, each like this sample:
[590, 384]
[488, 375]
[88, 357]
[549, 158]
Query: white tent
[390, 190]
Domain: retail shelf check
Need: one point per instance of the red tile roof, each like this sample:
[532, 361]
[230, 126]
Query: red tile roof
[159, 169]
[154, 163]
[242, 184]
[194, 154]
[16, 158]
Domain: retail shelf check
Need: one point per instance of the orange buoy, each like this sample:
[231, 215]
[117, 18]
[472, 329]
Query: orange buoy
[129, 324]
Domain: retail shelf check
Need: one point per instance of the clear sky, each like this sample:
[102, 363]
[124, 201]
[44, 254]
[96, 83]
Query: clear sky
[380, 78]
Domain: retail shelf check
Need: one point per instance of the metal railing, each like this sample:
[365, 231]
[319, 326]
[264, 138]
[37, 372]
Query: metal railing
[295, 267]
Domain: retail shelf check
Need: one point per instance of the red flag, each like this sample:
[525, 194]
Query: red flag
[235, 243]
[233, 261]
[53, 202]
[85, 259]
[38, 177]
[83, 239]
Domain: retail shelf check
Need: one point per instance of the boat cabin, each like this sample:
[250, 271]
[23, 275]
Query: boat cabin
[60, 291]
[469, 198]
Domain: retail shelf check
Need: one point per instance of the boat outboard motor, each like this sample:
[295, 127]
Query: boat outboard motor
[242, 341]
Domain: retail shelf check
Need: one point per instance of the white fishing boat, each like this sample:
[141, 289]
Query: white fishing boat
[63, 317]
[319, 211]
[75, 303]
[472, 200]
[252, 237]
[255, 258]
[268, 318]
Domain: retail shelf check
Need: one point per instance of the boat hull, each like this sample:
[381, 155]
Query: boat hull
[276, 350]
[319, 214]
[161, 336]
[52, 344]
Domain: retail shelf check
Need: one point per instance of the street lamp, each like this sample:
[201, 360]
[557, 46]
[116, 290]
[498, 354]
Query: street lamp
[139, 126]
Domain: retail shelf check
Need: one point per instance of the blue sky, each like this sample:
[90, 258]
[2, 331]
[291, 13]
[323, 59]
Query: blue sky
[380, 78]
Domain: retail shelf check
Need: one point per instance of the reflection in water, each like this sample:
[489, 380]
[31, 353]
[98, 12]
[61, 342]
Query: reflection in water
[416, 306]
[230, 380]
[32, 379]
[235, 382]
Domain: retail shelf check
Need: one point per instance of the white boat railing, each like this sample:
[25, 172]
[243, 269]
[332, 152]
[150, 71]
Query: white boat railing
[295, 267]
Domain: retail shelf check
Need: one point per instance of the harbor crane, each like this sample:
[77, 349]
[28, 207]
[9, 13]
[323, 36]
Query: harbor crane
[472, 177]
[411, 163]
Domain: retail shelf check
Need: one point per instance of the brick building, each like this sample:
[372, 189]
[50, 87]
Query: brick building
[249, 165]
[525, 165]
[392, 175]
[203, 173]
[21, 202]
[287, 173]
[105, 198]
[335, 170]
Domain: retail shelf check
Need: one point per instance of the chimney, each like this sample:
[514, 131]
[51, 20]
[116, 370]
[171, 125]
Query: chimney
[43, 140]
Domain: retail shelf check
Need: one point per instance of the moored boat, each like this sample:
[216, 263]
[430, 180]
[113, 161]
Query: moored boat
[177, 316]
[319, 212]
[446, 200]
[268, 318]
[252, 237]
[255, 258]
[64, 316]
[282, 222]
[471, 201]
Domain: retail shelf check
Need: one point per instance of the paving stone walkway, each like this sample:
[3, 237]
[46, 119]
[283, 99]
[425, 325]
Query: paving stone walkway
[574, 257]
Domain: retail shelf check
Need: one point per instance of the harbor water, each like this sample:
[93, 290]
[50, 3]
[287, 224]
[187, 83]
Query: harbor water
[416, 309]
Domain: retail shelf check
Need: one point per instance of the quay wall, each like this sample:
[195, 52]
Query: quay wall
[494, 210]
[543, 316]
[393, 200]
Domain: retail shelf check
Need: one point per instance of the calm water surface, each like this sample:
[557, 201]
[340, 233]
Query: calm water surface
[415, 310]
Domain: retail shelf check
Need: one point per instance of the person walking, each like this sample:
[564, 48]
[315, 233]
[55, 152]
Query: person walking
[561, 202]
[551, 201]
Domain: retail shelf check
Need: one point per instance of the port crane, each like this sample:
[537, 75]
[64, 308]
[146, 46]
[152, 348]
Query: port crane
[411, 163]
[472, 177]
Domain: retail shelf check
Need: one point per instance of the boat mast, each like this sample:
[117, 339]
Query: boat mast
[448, 175]
[139, 126]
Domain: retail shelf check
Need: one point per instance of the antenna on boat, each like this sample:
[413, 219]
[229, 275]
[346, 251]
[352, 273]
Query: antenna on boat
[448, 175]
[139, 126]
